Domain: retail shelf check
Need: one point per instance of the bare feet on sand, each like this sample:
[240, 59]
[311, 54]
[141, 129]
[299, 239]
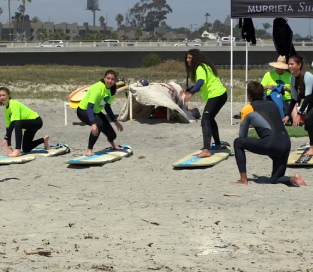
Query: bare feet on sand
[16, 153]
[241, 182]
[46, 141]
[89, 152]
[297, 180]
[205, 154]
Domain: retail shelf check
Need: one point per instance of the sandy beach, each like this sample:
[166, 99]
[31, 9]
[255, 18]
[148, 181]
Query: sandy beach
[138, 214]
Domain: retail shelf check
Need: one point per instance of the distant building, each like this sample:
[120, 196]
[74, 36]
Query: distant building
[21, 31]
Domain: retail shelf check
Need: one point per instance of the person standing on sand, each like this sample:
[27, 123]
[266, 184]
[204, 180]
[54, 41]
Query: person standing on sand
[20, 117]
[279, 76]
[98, 97]
[274, 140]
[203, 72]
[301, 88]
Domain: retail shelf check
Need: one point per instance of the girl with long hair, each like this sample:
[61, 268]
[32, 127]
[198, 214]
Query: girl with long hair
[98, 97]
[301, 89]
[204, 74]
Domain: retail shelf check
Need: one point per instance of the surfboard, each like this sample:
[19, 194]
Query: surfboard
[16, 160]
[54, 150]
[191, 160]
[74, 104]
[78, 94]
[103, 156]
[297, 157]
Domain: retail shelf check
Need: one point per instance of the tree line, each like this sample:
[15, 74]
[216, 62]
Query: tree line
[145, 15]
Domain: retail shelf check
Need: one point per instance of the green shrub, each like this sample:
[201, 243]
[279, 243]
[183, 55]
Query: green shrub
[151, 60]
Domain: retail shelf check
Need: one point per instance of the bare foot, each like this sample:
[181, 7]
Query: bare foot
[310, 152]
[241, 182]
[46, 141]
[16, 153]
[115, 146]
[297, 180]
[205, 154]
[89, 152]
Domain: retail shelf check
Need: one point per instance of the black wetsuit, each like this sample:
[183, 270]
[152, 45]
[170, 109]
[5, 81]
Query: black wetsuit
[274, 140]
[31, 126]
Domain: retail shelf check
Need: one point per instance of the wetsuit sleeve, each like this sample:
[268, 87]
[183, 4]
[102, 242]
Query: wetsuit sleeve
[109, 112]
[90, 113]
[197, 86]
[308, 97]
[291, 106]
[245, 122]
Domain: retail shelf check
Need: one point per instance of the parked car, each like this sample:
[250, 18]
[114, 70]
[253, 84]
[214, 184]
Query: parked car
[53, 43]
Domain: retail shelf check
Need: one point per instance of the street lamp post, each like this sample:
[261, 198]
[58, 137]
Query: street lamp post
[206, 18]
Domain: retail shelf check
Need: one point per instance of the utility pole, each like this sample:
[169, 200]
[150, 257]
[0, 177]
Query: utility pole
[206, 18]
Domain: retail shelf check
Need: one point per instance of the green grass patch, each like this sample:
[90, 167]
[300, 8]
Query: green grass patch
[292, 132]
[33, 81]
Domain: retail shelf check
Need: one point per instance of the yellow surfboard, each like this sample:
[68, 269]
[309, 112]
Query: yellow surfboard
[297, 157]
[191, 160]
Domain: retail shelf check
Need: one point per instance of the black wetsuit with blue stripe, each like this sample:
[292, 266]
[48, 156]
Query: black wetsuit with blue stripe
[273, 138]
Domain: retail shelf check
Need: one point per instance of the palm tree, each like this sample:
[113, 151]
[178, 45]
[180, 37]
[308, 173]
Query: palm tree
[35, 19]
[101, 20]
[119, 19]
[10, 32]
[138, 33]
[22, 9]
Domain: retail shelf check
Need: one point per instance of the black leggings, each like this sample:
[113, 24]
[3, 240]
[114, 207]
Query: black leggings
[209, 125]
[102, 123]
[308, 123]
[277, 148]
[31, 126]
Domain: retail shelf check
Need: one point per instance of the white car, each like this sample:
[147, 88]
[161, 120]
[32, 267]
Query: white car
[53, 43]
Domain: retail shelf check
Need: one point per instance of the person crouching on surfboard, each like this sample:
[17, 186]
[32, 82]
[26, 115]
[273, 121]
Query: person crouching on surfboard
[301, 88]
[274, 140]
[98, 97]
[20, 117]
[203, 72]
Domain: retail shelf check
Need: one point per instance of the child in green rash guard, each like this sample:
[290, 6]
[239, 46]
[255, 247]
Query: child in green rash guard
[20, 117]
[98, 97]
[279, 76]
[203, 72]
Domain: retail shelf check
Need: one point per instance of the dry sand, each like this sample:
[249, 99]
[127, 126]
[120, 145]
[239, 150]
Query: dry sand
[138, 214]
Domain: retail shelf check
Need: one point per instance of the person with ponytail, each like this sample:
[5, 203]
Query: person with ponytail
[18, 117]
[301, 89]
[98, 97]
[205, 76]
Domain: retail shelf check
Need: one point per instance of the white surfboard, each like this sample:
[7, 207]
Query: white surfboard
[54, 150]
[103, 156]
[16, 160]
[297, 157]
[191, 160]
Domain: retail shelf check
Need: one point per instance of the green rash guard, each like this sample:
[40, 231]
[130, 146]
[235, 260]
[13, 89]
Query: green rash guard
[16, 111]
[98, 95]
[272, 78]
[212, 86]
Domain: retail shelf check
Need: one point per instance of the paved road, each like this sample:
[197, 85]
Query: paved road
[144, 46]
